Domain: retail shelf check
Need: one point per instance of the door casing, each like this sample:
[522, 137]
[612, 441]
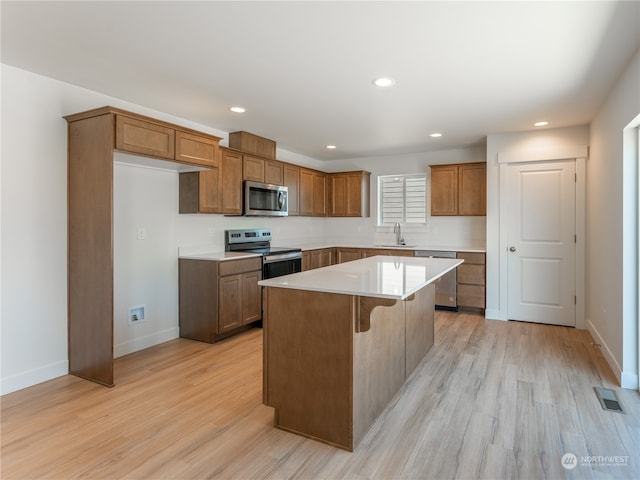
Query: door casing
[579, 153]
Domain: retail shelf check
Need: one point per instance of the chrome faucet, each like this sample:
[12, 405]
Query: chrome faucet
[397, 230]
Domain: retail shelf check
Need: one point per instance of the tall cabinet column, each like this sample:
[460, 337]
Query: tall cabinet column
[90, 248]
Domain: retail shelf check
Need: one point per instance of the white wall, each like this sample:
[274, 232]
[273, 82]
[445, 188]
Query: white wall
[612, 226]
[439, 231]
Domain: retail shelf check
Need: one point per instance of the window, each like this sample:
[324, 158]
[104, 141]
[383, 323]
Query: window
[402, 199]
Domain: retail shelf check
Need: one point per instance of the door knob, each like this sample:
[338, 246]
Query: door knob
[512, 249]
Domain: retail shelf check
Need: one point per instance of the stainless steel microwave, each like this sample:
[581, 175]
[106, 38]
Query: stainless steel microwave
[265, 199]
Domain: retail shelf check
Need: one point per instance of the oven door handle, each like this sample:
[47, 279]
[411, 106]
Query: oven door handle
[279, 257]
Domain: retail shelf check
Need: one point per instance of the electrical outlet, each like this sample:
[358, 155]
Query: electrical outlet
[212, 232]
[141, 233]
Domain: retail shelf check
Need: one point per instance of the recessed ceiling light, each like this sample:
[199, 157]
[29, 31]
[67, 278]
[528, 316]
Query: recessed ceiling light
[540, 124]
[383, 82]
[331, 147]
[238, 109]
[435, 135]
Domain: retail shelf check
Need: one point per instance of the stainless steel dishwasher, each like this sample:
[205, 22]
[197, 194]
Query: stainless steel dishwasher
[446, 288]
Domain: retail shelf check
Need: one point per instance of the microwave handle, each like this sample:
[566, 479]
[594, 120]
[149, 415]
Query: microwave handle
[280, 200]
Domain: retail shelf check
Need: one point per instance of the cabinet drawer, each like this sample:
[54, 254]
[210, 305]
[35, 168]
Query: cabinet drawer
[232, 267]
[474, 258]
[198, 150]
[473, 274]
[471, 296]
[138, 136]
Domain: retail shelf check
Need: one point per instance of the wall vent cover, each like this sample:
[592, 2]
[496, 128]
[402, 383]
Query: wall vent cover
[608, 399]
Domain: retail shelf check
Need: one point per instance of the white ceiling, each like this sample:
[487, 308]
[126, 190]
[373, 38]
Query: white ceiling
[304, 69]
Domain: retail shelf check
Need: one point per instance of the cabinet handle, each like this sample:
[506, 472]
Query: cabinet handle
[512, 249]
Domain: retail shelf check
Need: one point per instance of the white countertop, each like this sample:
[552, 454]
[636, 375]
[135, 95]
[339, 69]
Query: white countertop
[440, 248]
[218, 256]
[379, 276]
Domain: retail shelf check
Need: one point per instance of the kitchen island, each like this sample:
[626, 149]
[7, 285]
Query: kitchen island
[340, 341]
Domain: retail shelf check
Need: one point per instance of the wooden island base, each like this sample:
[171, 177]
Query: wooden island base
[333, 362]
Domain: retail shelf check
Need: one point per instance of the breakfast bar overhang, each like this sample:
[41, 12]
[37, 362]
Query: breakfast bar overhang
[340, 341]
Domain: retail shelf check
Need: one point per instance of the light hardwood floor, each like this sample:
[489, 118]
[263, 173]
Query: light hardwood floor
[490, 400]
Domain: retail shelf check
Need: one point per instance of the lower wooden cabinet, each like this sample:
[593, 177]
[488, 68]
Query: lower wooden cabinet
[218, 298]
[322, 257]
[471, 280]
[344, 254]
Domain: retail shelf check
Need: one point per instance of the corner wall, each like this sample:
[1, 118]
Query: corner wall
[612, 242]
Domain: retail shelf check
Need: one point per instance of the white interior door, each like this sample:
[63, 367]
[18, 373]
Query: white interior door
[541, 241]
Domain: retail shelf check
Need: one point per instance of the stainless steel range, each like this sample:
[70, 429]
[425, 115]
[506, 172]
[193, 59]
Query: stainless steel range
[276, 261]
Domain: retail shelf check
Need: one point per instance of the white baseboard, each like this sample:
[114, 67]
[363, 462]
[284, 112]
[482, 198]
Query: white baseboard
[22, 380]
[629, 380]
[626, 380]
[493, 315]
[130, 346]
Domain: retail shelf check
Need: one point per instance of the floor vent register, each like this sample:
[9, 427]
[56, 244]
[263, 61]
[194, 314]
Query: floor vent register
[608, 399]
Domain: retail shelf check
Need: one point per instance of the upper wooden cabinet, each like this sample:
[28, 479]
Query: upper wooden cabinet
[253, 168]
[458, 189]
[218, 190]
[274, 172]
[472, 188]
[153, 138]
[139, 136]
[231, 182]
[250, 143]
[313, 193]
[349, 194]
[291, 180]
[259, 169]
[195, 149]
[320, 193]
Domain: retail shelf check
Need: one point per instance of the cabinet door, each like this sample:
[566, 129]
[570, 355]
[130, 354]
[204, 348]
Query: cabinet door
[306, 261]
[338, 195]
[320, 194]
[357, 194]
[209, 195]
[444, 190]
[321, 258]
[273, 172]
[253, 168]
[230, 303]
[472, 188]
[193, 149]
[231, 182]
[291, 177]
[306, 192]
[138, 136]
[251, 297]
[347, 254]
